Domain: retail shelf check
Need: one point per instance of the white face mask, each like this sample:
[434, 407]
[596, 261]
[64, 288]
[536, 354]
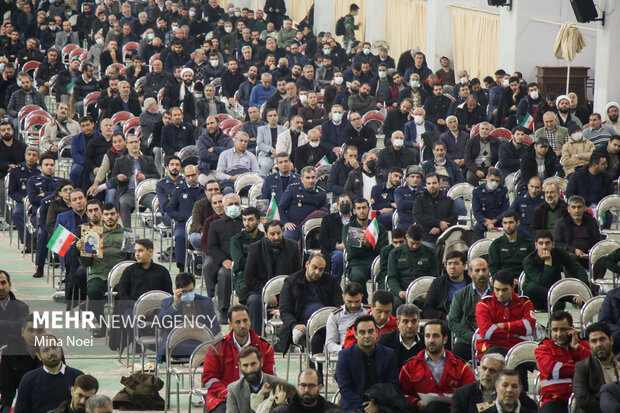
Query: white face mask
[419, 119]
[214, 63]
[303, 98]
[99, 41]
[338, 80]
[314, 144]
[505, 83]
[464, 80]
[492, 185]
[577, 136]
[398, 142]
[534, 95]
[228, 29]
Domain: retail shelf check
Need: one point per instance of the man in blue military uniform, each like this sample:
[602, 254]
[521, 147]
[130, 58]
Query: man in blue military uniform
[299, 201]
[382, 197]
[166, 185]
[405, 195]
[489, 201]
[525, 203]
[37, 188]
[18, 177]
[180, 209]
[276, 183]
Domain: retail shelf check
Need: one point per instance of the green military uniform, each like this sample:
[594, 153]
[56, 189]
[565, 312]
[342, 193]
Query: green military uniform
[462, 316]
[239, 244]
[540, 277]
[506, 255]
[99, 268]
[383, 266]
[349, 31]
[405, 265]
[612, 261]
[359, 259]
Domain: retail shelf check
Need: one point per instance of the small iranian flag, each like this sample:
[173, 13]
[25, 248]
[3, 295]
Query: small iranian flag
[322, 162]
[527, 122]
[372, 214]
[372, 232]
[60, 241]
[272, 211]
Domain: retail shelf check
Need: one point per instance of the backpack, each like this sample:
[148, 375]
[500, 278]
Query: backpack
[340, 30]
[141, 392]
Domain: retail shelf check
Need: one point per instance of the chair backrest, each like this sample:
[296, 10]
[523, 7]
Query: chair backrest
[254, 193]
[121, 116]
[23, 112]
[520, 353]
[605, 204]
[464, 190]
[521, 281]
[599, 251]
[509, 181]
[114, 276]
[65, 143]
[229, 123]
[589, 312]
[375, 267]
[418, 287]
[149, 302]
[130, 124]
[247, 179]
[273, 288]
[187, 152]
[560, 182]
[145, 187]
[318, 320]
[182, 333]
[223, 116]
[478, 249]
[567, 287]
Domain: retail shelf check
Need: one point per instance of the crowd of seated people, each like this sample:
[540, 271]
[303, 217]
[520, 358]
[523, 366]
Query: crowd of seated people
[193, 98]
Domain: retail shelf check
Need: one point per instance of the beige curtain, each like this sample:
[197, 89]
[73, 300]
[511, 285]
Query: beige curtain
[406, 25]
[341, 8]
[475, 37]
[297, 9]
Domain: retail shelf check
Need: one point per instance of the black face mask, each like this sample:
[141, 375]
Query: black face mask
[345, 208]
[371, 165]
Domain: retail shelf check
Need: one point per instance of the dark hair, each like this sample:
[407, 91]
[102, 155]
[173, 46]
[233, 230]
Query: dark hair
[29, 319]
[476, 81]
[532, 84]
[235, 308]
[248, 351]
[382, 297]
[614, 137]
[6, 274]
[494, 172]
[146, 243]
[595, 158]
[251, 211]
[396, 169]
[519, 128]
[108, 206]
[511, 214]
[561, 315]
[86, 382]
[61, 184]
[352, 288]
[456, 254]
[95, 201]
[183, 279]
[360, 201]
[441, 323]
[543, 233]
[513, 79]
[431, 175]
[398, 233]
[439, 143]
[601, 326]
[172, 157]
[272, 223]
[504, 277]
[510, 373]
[415, 232]
[86, 119]
[500, 72]
[408, 310]
[362, 319]
[46, 156]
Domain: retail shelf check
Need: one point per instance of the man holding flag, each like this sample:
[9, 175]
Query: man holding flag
[374, 237]
[528, 105]
[313, 153]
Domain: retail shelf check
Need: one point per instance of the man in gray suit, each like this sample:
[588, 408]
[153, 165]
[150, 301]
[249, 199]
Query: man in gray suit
[250, 363]
[266, 138]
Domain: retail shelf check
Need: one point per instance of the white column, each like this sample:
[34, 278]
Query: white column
[244, 3]
[438, 32]
[324, 20]
[375, 24]
[607, 82]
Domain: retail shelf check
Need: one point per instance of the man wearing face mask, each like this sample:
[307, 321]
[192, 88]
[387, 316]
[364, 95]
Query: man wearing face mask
[564, 117]
[529, 104]
[218, 260]
[419, 133]
[489, 201]
[214, 69]
[313, 152]
[332, 90]
[330, 235]
[576, 151]
[397, 155]
[415, 92]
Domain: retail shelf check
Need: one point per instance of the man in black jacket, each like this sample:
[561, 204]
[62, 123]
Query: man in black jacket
[547, 213]
[266, 260]
[340, 170]
[439, 297]
[308, 397]
[396, 119]
[589, 375]
[330, 235]
[18, 358]
[539, 152]
[481, 152]
[591, 181]
[396, 154]
[434, 211]
[355, 187]
[303, 293]
[126, 177]
[471, 397]
[358, 134]
[13, 312]
[577, 231]
[407, 341]
[218, 261]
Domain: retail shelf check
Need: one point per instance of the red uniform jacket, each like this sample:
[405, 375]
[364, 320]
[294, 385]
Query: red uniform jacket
[416, 377]
[557, 365]
[391, 325]
[518, 319]
[221, 366]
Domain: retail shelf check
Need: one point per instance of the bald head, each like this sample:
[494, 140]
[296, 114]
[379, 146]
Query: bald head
[191, 175]
[479, 272]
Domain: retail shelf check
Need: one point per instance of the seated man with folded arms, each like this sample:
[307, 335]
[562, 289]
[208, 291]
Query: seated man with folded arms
[339, 321]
